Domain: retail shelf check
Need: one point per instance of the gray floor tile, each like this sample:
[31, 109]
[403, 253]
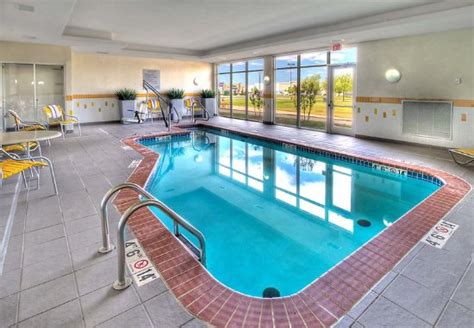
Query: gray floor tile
[165, 311]
[10, 282]
[106, 303]
[12, 261]
[67, 315]
[51, 294]
[385, 282]
[384, 313]
[344, 322]
[423, 302]
[85, 238]
[464, 294]
[83, 224]
[96, 276]
[44, 235]
[360, 307]
[43, 221]
[77, 205]
[151, 289]
[44, 251]
[89, 255]
[135, 317]
[456, 316]
[46, 270]
[69, 184]
[8, 306]
[437, 268]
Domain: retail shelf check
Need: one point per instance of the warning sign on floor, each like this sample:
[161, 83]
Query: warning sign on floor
[139, 264]
[440, 233]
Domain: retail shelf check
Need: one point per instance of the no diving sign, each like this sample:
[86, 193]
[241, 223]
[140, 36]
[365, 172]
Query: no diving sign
[139, 264]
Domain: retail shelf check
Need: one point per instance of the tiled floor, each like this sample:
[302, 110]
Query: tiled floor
[53, 276]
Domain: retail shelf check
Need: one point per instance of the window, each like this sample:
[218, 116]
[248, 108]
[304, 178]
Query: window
[300, 90]
[240, 89]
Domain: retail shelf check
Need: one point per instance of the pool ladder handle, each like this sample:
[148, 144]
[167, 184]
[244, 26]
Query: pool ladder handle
[123, 282]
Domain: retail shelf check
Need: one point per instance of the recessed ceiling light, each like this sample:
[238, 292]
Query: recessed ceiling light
[27, 8]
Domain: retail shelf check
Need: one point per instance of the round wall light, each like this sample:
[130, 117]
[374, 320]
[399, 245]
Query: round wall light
[266, 80]
[393, 75]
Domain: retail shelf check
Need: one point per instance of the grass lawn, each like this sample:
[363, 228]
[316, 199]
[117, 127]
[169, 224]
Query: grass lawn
[286, 111]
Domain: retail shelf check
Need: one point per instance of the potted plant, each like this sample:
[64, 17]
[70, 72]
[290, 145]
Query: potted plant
[126, 99]
[209, 101]
[176, 97]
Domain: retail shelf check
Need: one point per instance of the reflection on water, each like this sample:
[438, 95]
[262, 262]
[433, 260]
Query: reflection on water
[273, 217]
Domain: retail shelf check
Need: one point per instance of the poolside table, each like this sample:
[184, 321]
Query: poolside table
[11, 138]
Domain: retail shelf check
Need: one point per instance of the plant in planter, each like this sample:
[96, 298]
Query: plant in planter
[176, 97]
[126, 99]
[209, 101]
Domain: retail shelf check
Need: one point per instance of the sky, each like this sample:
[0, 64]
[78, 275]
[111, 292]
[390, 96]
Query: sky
[317, 58]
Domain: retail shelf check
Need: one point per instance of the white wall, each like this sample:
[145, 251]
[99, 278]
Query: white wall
[429, 65]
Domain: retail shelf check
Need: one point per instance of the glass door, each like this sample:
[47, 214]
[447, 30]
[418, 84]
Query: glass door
[19, 91]
[49, 87]
[341, 102]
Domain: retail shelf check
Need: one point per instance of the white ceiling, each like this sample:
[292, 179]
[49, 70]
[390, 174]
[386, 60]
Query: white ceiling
[216, 30]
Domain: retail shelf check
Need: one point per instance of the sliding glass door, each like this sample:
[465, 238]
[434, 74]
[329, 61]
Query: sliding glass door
[27, 88]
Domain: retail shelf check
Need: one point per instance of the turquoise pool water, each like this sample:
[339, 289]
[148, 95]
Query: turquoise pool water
[272, 216]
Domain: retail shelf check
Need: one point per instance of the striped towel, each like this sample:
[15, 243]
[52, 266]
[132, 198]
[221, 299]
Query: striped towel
[56, 112]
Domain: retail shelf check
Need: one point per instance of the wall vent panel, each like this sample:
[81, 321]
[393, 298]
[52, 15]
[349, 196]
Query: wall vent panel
[428, 118]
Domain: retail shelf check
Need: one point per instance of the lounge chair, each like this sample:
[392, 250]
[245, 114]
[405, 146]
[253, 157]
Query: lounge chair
[458, 154]
[22, 125]
[154, 108]
[12, 165]
[56, 115]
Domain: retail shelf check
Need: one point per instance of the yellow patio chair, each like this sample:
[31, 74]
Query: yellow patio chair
[56, 114]
[22, 125]
[21, 148]
[13, 165]
[154, 108]
[193, 105]
[458, 154]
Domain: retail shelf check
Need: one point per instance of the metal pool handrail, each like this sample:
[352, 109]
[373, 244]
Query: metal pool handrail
[106, 244]
[123, 282]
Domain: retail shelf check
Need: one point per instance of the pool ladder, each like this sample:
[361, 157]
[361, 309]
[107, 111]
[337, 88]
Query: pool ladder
[123, 282]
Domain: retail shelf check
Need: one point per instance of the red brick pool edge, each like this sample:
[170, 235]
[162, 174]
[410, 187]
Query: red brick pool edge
[321, 303]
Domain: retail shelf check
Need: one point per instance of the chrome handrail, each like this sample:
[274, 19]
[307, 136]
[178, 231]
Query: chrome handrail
[106, 244]
[147, 86]
[123, 282]
[207, 116]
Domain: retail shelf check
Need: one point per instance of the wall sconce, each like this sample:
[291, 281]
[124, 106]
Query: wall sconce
[196, 81]
[266, 80]
[393, 75]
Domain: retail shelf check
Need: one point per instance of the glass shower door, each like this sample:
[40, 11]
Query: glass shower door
[49, 88]
[19, 91]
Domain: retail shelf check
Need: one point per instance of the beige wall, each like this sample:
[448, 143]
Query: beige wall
[103, 74]
[429, 65]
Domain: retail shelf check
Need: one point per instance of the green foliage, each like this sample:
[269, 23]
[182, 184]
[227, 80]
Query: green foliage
[343, 84]
[175, 94]
[311, 86]
[126, 94]
[208, 94]
[256, 99]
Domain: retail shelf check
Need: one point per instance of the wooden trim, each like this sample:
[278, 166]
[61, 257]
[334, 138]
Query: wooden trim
[393, 100]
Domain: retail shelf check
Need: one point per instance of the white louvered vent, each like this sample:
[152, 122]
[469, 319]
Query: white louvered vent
[428, 118]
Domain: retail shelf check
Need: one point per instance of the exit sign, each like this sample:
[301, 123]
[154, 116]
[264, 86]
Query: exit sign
[336, 46]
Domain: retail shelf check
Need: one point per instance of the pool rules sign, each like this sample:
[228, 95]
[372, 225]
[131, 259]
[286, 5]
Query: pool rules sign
[139, 264]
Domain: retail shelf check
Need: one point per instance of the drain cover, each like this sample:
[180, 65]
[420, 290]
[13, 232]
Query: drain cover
[271, 292]
[364, 223]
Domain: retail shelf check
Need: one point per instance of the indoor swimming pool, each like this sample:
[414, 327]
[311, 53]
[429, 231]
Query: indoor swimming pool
[273, 215]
